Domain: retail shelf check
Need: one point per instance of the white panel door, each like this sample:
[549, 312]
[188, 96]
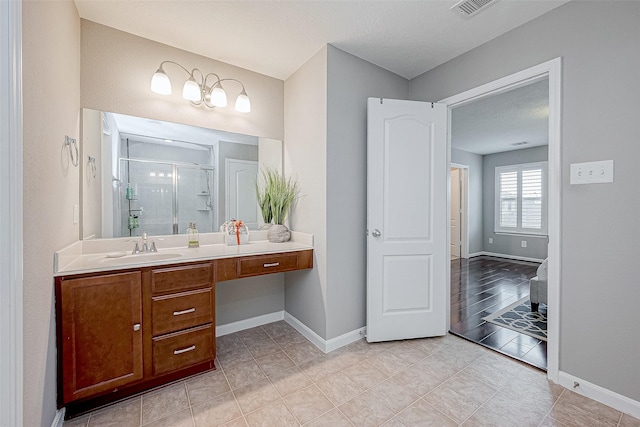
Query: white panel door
[455, 212]
[407, 220]
[240, 189]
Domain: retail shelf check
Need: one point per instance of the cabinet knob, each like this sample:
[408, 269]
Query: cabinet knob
[136, 327]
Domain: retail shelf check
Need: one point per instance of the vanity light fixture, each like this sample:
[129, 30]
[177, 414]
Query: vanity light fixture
[199, 90]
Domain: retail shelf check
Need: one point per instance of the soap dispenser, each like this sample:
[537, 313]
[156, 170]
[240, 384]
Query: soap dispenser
[193, 236]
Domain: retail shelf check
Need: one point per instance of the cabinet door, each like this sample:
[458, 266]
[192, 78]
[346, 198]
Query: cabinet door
[101, 336]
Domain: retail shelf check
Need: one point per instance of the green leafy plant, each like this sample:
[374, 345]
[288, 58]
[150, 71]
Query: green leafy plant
[276, 195]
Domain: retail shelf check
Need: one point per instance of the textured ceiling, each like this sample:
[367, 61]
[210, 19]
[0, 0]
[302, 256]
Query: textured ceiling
[276, 37]
[493, 124]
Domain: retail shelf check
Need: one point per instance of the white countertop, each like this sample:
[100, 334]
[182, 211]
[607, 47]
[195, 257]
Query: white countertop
[90, 256]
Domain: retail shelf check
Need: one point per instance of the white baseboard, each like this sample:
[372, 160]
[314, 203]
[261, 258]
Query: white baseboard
[326, 346]
[508, 256]
[58, 421]
[241, 325]
[600, 394]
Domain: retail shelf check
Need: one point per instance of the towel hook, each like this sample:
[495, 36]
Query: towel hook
[92, 163]
[69, 142]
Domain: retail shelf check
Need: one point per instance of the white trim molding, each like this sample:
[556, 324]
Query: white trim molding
[58, 421]
[600, 394]
[508, 256]
[241, 325]
[11, 222]
[326, 346]
[553, 71]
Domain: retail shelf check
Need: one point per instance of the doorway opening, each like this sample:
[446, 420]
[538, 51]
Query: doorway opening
[544, 74]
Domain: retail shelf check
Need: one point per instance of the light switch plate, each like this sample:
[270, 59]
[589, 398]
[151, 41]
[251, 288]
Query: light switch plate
[592, 172]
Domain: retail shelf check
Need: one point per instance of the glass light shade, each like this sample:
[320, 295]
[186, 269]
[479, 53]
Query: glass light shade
[191, 90]
[160, 83]
[243, 104]
[219, 97]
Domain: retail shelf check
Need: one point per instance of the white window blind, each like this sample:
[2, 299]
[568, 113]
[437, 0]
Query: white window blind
[521, 199]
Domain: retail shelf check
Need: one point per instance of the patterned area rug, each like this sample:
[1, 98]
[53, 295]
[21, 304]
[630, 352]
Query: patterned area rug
[518, 316]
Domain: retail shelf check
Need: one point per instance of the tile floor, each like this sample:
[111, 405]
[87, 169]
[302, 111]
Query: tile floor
[272, 376]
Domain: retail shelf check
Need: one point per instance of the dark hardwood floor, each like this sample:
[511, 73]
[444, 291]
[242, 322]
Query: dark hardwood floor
[483, 285]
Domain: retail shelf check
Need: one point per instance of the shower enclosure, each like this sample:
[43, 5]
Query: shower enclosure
[162, 196]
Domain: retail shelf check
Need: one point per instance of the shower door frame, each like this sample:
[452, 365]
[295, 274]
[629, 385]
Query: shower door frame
[174, 184]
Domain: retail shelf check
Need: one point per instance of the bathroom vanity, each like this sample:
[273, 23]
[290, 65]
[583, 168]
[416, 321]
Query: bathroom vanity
[132, 323]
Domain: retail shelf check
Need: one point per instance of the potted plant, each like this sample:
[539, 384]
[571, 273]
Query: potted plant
[276, 195]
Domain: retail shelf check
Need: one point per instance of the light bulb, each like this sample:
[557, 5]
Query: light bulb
[160, 83]
[218, 96]
[243, 104]
[191, 90]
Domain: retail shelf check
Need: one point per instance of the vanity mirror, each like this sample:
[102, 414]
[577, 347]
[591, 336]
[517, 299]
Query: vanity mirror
[141, 175]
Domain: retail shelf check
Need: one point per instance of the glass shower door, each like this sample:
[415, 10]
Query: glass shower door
[195, 198]
[148, 198]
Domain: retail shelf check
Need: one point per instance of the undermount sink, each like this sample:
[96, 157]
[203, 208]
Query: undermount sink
[138, 258]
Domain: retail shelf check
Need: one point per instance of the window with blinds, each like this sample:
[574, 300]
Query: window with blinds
[521, 199]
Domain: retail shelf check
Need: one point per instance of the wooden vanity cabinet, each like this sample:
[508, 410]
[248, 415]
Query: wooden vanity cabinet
[120, 333]
[100, 336]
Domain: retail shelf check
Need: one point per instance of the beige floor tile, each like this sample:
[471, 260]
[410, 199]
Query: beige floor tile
[277, 329]
[256, 395]
[345, 359]
[408, 352]
[388, 363]
[333, 418]
[234, 357]
[227, 343]
[423, 414]
[365, 411]
[179, 419]
[550, 422]
[573, 409]
[429, 345]
[494, 369]
[252, 334]
[206, 386]
[394, 395]
[217, 411]
[460, 397]
[458, 356]
[320, 368]
[365, 375]
[289, 338]
[339, 388]
[394, 422]
[289, 380]
[238, 422]
[274, 415]
[276, 362]
[262, 347]
[629, 421]
[421, 380]
[243, 374]
[163, 402]
[122, 414]
[77, 422]
[366, 349]
[303, 352]
[308, 403]
[510, 411]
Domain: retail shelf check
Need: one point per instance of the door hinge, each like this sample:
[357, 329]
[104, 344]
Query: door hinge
[432, 105]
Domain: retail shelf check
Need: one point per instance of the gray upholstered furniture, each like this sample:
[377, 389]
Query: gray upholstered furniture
[538, 287]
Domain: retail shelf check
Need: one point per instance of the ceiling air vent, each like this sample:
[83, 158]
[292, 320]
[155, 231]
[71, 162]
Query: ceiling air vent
[517, 144]
[469, 8]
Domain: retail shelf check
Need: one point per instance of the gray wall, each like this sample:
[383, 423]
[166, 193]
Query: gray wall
[350, 81]
[250, 297]
[474, 209]
[509, 244]
[598, 43]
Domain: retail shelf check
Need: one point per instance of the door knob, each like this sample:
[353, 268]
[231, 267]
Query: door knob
[376, 233]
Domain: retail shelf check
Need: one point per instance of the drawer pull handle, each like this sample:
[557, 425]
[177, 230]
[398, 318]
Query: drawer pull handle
[136, 327]
[184, 350]
[273, 264]
[190, 310]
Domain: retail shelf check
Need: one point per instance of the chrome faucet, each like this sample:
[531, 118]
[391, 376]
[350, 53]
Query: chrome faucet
[145, 246]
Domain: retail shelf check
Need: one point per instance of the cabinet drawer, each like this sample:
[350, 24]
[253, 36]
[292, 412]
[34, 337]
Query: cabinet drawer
[172, 279]
[175, 312]
[266, 264]
[182, 349]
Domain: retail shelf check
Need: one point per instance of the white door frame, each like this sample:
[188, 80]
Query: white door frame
[11, 270]
[553, 71]
[464, 205]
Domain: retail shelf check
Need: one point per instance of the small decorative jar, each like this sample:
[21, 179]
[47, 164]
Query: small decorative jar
[235, 232]
[193, 235]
